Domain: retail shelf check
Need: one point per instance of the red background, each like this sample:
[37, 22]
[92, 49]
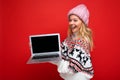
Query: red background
[21, 18]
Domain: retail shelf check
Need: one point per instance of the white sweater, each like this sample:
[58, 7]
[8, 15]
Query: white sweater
[76, 62]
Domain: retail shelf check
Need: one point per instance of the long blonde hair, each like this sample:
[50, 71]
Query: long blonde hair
[85, 33]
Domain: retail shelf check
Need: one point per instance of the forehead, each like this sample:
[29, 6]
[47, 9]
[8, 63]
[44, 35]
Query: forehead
[73, 16]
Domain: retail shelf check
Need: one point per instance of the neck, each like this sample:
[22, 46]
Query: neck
[76, 36]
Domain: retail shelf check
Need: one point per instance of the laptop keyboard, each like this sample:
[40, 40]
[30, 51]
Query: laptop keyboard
[45, 56]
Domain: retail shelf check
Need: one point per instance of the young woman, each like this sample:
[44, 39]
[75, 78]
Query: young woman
[75, 49]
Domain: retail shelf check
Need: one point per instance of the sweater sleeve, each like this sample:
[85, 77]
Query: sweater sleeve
[80, 59]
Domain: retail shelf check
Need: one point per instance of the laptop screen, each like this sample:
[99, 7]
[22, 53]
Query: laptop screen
[47, 43]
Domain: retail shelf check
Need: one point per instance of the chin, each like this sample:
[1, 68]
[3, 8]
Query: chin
[73, 31]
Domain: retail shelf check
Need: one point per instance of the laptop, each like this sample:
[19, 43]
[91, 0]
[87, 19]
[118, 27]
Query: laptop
[44, 48]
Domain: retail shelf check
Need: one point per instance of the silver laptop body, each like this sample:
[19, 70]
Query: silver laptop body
[44, 48]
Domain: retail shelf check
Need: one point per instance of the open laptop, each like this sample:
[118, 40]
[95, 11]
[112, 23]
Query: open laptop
[44, 48]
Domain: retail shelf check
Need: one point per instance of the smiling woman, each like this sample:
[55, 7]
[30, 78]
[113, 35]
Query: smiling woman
[76, 62]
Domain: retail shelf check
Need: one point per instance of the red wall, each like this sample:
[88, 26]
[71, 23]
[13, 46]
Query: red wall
[21, 18]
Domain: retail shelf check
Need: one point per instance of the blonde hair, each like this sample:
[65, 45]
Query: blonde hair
[85, 33]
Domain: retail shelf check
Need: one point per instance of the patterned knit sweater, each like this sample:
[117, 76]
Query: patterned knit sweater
[77, 53]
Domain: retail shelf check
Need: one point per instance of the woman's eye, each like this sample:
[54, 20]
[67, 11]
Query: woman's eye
[75, 20]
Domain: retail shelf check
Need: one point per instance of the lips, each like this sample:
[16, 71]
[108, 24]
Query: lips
[73, 26]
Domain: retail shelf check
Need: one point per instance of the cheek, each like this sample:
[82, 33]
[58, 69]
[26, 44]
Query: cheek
[79, 25]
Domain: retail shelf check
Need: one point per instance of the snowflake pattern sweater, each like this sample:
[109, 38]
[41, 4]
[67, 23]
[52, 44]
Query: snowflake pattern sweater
[77, 53]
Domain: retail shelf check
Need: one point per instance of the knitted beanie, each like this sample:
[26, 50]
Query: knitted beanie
[81, 11]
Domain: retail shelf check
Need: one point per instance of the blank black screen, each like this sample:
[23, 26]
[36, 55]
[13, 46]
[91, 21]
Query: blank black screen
[45, 44]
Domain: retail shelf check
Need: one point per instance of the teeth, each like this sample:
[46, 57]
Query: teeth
[73, 26]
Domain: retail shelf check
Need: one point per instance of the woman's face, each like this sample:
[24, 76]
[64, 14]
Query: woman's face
[75, 23]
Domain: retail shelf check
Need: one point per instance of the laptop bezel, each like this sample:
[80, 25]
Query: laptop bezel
[41, 35]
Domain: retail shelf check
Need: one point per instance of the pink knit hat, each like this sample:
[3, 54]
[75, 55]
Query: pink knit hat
[82, 12]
